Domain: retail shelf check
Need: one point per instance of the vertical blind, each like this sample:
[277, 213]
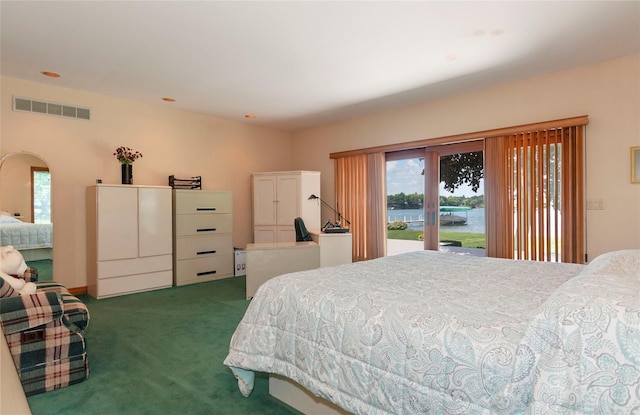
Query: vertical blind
[376, 229]
[360, 193]
[431, 200]
[534, 192]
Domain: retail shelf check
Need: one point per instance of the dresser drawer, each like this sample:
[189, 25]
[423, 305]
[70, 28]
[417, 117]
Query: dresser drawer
[202, 202]
[129, 284]
[203, 224]
[121, 267]
[203, 246]
[190, 271]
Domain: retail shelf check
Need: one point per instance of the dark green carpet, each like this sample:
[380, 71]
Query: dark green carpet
[161, 352]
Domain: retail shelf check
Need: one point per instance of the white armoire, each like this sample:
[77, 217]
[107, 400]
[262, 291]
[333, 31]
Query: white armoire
[129, 239]
[279, 198]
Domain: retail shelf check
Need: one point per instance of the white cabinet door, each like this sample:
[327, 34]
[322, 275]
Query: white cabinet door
[272, 234]
[155, 219]
[288, 197]
[117, 223]
[286, 234]
[265, 234]
[264, 201]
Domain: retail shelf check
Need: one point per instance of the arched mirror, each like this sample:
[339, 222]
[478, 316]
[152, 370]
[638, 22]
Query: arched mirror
[25, 210]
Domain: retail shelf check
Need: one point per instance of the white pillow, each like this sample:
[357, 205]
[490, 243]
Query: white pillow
[625, 262]
[8, 219]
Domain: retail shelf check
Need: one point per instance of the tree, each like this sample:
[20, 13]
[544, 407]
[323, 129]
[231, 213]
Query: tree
[459, 169]
[398, 201]
[414, 201]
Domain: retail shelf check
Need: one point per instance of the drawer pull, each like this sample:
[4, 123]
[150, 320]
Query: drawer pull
[206, 230]
[205, 252]
[205, 209]
[200, 274]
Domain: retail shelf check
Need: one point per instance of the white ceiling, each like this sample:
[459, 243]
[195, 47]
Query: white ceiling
[298, 64]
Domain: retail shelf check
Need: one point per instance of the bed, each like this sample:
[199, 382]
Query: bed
[33, 240]
[437, 333]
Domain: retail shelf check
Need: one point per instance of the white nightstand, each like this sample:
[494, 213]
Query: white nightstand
[335, 248]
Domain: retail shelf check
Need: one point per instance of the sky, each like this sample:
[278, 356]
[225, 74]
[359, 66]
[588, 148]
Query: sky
[406, 176]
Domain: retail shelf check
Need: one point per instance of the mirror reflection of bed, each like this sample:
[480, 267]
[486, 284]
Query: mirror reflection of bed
[25, 210]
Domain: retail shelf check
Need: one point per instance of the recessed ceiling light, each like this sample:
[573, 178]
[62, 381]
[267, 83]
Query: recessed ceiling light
[51, 74]
[169, 99]
[250, 116]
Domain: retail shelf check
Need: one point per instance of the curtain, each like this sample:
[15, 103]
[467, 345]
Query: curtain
[361, 195]
[572, 200]
[376, 239]
[534, 191]
[497, 205]
[431, 200]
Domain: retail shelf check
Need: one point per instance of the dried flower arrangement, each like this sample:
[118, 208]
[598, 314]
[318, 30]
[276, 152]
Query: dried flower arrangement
[126, 155]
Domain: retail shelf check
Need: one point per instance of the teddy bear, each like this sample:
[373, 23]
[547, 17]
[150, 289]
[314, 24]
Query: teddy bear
[12, 264]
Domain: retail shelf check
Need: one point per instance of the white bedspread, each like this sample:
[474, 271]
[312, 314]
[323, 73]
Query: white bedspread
[423, 332]
[26, 235]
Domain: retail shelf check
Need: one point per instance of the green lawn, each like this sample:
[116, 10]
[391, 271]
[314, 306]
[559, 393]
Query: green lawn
[468, 240]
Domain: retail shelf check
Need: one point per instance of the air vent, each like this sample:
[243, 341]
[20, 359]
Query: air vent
[51, 108]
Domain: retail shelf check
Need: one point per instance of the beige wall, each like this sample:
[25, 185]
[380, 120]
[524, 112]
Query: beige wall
[224, 153]
[608, 92]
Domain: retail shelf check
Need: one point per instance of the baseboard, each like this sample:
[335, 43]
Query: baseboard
[77, 290]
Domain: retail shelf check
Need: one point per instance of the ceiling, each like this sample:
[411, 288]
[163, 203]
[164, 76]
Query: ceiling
[298, 64]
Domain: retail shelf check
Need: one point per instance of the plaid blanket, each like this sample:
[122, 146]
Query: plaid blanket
[75, 311]
[31, 274]
[44, 334]
[6, 290]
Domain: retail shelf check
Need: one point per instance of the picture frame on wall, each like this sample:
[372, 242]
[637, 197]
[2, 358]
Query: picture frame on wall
[635, 164]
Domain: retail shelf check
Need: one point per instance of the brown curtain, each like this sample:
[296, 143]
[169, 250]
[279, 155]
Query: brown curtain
[431, 200]
[360, 194]
[497, 205]
[534, 195]
[572, 201]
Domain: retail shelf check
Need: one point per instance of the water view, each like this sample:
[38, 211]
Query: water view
[414, 218]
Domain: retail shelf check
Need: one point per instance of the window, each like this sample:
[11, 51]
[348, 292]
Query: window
[40, 195]
[514, 188]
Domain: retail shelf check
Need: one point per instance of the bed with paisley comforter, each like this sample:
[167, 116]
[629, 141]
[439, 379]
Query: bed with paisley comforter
[437, 333]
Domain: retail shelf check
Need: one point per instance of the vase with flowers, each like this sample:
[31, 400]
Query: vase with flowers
[126, 156]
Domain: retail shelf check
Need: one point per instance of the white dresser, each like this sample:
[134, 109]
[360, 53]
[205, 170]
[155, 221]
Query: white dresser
[129, 239]
[279, 198]
[203, 236]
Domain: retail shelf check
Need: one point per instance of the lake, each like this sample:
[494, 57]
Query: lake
[475, 219]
